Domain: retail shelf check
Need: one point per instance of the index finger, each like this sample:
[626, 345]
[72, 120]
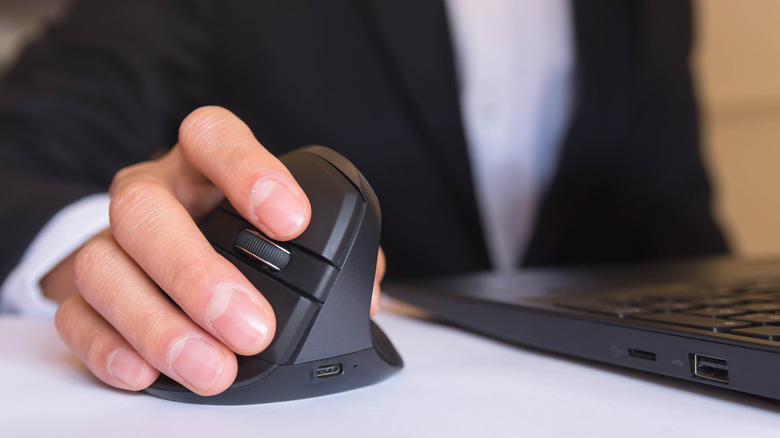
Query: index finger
[223, 148]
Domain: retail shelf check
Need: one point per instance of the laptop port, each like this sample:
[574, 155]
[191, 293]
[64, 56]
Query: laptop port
[641, 354]
[710, 368]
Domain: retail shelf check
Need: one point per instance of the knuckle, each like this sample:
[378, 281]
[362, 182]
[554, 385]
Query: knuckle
[134, 199]
[89, 345]
[148, 333]
[63, 319]
[123, 175]
[130, 191]
[94, 350]
[190, 275]
[91, 255]
[199, 123]
[154, 334]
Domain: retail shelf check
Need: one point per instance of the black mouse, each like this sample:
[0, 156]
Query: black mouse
[319, 285]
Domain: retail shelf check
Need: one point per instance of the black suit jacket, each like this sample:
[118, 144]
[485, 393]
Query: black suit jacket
[375, 80]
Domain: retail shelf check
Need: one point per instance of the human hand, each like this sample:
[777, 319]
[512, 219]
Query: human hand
[121, 324]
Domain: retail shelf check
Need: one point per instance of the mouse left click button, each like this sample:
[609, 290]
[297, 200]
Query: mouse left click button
[262, 249]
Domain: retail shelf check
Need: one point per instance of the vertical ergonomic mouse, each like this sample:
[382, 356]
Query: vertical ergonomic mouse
[319, 285]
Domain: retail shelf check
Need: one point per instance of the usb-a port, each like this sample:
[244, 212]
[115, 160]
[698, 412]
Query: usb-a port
[710, 368]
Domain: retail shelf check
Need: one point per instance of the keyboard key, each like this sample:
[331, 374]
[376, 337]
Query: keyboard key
[768, 332]
[757, 298]
[717, 312]
[699, 322]
[760, 318]
[615, 309]
[760, 307]
[719, 301]
[628, 299]
[673, 306]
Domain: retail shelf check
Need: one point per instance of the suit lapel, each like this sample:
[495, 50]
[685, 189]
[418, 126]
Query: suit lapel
[576, 207]
[413, 41]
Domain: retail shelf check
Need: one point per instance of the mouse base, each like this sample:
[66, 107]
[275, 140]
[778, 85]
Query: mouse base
[263, 382]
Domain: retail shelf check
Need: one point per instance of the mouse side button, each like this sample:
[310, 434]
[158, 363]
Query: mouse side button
[308, 274]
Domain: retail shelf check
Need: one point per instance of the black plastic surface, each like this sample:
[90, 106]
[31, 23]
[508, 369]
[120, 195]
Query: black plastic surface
[280, 383]
[336, 205]
[305, 272]
[321, 298]
[526, 308]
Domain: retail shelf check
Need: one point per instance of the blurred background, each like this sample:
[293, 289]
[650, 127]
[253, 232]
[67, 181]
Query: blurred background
[737, 63]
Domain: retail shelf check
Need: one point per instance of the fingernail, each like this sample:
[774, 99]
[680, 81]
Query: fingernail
[239, 321]
[126, 365]
[276, 207]
[197, 362]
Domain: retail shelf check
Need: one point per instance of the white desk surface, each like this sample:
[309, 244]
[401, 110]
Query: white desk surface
[454, 384]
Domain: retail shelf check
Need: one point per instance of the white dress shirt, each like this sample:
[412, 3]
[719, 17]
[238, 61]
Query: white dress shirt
[515, 68]
[63, 234]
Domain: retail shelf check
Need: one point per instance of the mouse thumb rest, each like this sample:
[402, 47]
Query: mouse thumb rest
[319, 285]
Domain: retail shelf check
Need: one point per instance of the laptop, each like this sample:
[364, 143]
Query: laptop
[715, 321]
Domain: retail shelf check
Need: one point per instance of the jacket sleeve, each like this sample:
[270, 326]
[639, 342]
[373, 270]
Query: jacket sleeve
[104, 88]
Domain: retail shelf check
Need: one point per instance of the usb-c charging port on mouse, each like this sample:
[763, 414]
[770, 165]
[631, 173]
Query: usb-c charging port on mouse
[710, 368]
[331, 370]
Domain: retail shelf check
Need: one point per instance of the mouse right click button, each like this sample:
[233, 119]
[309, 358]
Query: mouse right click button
[336, 206]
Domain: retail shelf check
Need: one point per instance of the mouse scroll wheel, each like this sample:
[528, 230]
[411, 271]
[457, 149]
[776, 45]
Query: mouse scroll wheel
[262, 249]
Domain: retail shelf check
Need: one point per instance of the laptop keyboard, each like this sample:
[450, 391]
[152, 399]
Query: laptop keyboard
[741, 308]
